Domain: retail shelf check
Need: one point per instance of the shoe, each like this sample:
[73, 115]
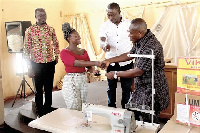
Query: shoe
[39, 115]
[48, 110]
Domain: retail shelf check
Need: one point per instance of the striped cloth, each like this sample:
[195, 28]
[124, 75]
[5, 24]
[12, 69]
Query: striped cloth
[74, 90]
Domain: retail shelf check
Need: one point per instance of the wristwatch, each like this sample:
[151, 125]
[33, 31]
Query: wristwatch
[115, 75]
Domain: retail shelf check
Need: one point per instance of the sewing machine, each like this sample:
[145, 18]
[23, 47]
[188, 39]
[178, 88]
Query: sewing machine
[112, 120]
[122, 120]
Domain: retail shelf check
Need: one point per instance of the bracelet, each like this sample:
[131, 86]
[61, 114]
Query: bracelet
[115, 75]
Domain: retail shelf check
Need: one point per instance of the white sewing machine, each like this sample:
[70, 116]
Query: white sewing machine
[105, 120]
[122, 120]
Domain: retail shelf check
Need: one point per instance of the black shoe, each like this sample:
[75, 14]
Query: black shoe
[48, 110]
[39, 114]
[112, 105]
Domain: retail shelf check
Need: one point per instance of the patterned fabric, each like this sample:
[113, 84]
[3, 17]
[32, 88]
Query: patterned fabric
[74, 90]
[143, 84]
[40, 44]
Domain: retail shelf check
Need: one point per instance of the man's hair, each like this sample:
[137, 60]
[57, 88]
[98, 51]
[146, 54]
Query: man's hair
[38, 9]
[139, 24]
[114, 6]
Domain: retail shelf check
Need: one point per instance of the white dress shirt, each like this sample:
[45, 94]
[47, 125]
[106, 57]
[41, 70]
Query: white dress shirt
[117, 37]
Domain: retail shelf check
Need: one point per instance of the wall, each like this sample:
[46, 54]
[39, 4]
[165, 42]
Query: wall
[21, 10]
[24, 10]
[1, 89]
[99, 5]
[96, 14]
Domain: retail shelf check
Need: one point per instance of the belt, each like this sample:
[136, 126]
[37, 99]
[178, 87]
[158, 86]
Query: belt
[76, 74]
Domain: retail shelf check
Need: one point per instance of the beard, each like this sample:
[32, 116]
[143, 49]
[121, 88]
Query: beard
[41, 22]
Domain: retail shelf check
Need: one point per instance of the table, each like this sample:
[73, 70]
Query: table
[65, 120]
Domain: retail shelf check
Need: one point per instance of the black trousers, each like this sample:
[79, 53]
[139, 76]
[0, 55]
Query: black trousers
[44, 75]
[125, 85]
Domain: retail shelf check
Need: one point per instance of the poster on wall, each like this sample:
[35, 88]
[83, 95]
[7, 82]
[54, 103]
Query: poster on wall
[188, 75]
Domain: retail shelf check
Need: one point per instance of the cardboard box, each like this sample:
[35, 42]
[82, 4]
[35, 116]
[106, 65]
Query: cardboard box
[187, 114]
[188, 75]
[172, 127]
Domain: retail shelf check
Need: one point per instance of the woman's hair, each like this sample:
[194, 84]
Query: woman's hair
[67, 30]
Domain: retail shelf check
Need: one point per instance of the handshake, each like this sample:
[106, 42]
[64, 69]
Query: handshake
[103, 65]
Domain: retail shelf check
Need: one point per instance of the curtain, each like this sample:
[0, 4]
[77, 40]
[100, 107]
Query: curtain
[178, 31]
[80, 23]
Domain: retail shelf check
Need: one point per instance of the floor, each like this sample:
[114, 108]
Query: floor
[19, 102]
[96, 94]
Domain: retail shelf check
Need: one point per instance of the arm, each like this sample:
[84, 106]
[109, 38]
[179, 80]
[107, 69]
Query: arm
[86, 62]
[55, 45]
[26, 54]
[27, 45]
[131, 73]
[82, 63]
[89, 64]
[104, 44]
[120, 58]
[70, 60]
[103, 38]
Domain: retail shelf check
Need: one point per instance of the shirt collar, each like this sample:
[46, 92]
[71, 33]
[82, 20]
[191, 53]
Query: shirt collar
[147, 35]
[40, 26]
[122, 20]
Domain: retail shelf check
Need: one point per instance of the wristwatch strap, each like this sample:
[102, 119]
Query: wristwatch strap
[115, 75]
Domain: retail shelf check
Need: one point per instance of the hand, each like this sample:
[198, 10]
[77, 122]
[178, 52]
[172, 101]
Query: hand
[110, 75]
[56, 59]
[105, 64]
[30, 73]
[98, 63]
[106, 48]
[96, 73]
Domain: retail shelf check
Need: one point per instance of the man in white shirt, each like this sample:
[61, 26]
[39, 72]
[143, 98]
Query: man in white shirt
[114, 41]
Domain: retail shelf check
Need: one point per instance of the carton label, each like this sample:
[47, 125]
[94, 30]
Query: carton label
[193, 102]
[188, 75]
[188, 114]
